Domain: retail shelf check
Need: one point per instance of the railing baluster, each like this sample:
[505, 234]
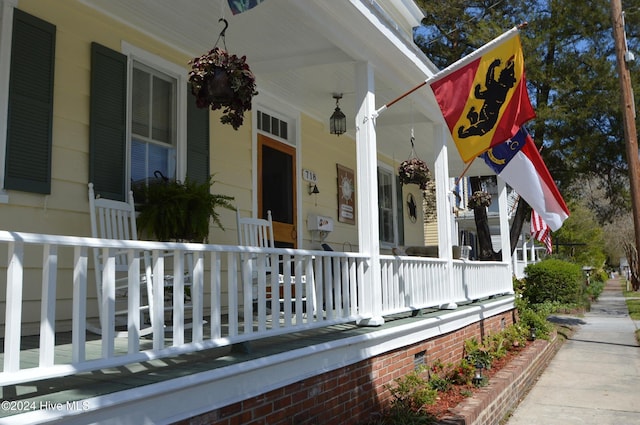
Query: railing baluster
[48, 305]
[216, 296]
[107, 321]
[157, 318]
[232, 292]
[133, 301]
[197, 293]
[79, 314]
[13, 312]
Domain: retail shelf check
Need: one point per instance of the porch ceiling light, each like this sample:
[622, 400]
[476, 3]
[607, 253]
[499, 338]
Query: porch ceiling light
[338, 121]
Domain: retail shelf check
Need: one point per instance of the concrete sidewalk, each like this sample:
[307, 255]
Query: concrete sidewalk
[595, 377]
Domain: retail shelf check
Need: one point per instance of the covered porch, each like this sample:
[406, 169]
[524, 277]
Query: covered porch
[236, 340]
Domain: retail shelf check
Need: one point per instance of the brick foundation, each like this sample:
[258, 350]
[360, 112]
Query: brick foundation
[352, 394]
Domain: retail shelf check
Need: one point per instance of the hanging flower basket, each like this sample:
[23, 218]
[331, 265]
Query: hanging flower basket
[220, 80]
[414, 171]
[479, 199]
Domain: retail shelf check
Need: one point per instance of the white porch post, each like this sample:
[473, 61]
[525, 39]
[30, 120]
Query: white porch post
[505, 240]
[444, 208]
[367, 194]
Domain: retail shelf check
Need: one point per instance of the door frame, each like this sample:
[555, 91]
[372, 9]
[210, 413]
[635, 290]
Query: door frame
[286, 113]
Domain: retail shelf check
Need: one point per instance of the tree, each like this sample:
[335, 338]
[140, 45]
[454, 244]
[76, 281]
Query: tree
[581, 239]
[571, 78]
[620, 242]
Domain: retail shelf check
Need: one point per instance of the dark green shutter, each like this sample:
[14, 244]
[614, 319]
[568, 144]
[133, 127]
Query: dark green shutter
[197, 140]
[107, 144]
[400, 211]
[30, 115]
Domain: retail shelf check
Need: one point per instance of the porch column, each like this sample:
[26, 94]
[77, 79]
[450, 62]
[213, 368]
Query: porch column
[367, 194]
[444, 208]
[505, 239]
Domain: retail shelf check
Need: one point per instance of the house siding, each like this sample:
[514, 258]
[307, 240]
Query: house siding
[351, 394]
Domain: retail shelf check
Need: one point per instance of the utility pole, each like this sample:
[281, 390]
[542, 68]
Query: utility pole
[628, 114]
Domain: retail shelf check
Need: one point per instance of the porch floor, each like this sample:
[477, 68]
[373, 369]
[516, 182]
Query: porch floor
[43, 394]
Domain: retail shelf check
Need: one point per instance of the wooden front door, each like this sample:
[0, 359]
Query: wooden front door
[277, 189]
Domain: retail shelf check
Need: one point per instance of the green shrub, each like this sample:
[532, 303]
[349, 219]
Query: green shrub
[531, 318]
[411, 392]
[553, 280]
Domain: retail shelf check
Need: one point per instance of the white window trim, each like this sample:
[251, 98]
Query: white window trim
[6, 31]
[394, 205]
[135, 53]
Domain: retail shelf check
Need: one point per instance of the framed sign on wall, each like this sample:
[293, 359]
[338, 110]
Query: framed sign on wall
[346, 195]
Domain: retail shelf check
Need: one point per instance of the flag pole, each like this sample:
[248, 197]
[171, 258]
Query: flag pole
[464, 172]
[455, 66]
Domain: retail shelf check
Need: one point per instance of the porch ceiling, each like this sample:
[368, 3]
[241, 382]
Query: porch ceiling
[302, 52]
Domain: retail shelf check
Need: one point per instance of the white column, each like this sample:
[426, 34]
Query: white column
[503, 209]
[443, 206]
[367, 193]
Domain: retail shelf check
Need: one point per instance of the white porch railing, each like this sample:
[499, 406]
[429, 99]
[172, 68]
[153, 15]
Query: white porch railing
[410, 283]
[230, 303]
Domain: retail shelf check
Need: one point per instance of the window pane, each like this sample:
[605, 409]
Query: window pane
[385, 200]
[140, 103]
[162, 110]
[266, 121]
[138, 161]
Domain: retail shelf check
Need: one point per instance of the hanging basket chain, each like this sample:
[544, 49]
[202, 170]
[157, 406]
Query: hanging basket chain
[222, 34]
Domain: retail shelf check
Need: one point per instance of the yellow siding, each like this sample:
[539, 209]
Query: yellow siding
[321, 152]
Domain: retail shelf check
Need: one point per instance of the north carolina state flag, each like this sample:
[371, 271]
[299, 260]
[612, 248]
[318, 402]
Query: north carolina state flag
[485, 101]
[518, 162]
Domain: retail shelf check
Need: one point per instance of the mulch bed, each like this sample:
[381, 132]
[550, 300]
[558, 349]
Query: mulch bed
[458, 393]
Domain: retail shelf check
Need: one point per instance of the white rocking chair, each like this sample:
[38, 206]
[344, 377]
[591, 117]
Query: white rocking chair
[258, 232]
[117, 220]
[112, 219]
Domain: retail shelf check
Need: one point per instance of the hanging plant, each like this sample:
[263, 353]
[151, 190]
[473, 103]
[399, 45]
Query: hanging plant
[222, 80]
[414, 170]
[479, 199]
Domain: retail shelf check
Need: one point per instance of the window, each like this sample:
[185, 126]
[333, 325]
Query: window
[153, 122]
[390, 207]
[143, 119]
[272, 125]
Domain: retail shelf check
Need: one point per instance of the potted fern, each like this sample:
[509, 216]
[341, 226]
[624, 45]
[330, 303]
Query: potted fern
[180, 211]
[221, 80]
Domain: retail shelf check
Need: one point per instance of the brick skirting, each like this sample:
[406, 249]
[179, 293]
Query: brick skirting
[352, 394]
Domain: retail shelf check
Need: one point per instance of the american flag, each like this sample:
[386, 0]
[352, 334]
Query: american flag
[540, 230]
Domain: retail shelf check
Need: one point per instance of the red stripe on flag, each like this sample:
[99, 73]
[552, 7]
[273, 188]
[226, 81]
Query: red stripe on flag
[540, 231]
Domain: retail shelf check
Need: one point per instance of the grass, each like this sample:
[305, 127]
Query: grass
[633, 304]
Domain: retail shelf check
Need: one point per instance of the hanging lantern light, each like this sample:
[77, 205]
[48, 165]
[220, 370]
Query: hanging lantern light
[338, 121]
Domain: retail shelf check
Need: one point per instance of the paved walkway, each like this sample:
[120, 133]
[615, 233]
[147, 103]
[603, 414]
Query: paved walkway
[595, 377]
